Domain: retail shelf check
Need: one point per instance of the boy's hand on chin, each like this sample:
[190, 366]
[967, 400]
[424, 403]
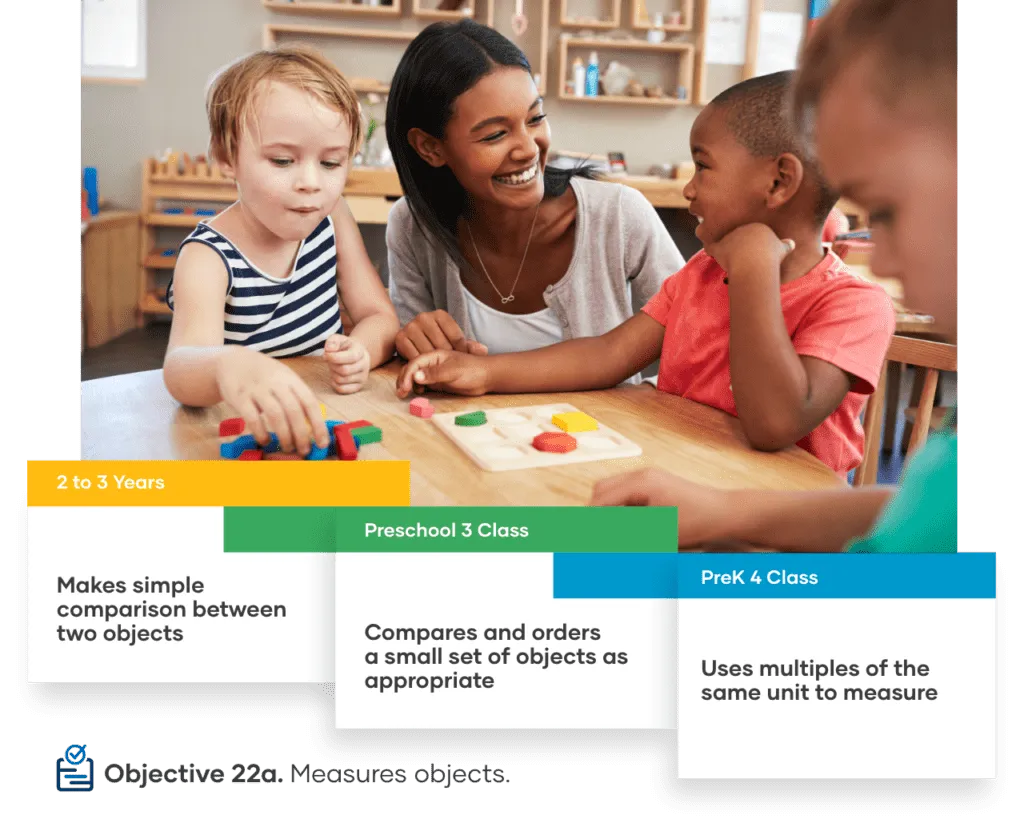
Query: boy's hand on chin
[750, 249]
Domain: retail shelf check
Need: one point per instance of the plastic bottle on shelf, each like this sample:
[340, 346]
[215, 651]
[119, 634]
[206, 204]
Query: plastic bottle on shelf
[593, 76]
[579, 78]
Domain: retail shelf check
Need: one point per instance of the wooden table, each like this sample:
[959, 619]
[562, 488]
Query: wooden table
[134, 417]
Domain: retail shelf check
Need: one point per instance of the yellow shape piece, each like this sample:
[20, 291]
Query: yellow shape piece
[323, 409]
[573, 422]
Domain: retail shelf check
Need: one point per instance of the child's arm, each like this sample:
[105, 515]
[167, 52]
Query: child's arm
[780, 520]
[199, 370]
[372, 339]
[781, 396]
[578, 364]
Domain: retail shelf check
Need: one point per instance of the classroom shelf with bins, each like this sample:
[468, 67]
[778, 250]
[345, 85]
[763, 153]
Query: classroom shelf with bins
[182, 184]
[683, 52]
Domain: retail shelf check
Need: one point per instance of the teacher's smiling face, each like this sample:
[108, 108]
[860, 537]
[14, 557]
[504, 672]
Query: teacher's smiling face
[496, 142]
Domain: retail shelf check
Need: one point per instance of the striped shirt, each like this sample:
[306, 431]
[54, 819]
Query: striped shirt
[280, 317]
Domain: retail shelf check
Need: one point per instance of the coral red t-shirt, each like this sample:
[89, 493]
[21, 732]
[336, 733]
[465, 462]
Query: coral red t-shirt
[830, 313]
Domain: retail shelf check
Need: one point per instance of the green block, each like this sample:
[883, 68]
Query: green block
[367, 435]
[474, 419]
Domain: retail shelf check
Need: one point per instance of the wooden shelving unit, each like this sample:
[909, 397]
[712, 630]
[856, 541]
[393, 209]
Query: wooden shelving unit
[643, 20]
[613, 22]
[684, 77]
[171, 182]
[363, 10]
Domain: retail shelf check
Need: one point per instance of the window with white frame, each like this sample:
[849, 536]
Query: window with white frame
[114, 40]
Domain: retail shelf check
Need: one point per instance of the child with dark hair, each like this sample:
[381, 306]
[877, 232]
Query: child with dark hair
[763, 323]
[492, 249]
[877, 89]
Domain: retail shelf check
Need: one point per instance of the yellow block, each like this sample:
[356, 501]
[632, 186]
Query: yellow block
[573, 422]
[216, 483]
[323, 409]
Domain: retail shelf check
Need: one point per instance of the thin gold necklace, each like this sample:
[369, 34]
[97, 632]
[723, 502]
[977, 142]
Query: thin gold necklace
[511, 291]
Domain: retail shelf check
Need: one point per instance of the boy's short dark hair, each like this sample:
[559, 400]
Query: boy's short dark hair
[758, 114]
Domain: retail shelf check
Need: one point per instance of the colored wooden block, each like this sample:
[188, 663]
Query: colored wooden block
[323, 409]
[366, 435]
[345, 444]
[232, 426]
[574, 422]
[318, 454]
[352, 425]
[554, 442]
[421, 407]
[331, 424]
[251, 456]
[474, 419]
[273, 445]
[234, 449]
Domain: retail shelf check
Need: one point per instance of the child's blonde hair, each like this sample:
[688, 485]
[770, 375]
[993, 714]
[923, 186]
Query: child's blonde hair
[232, 96]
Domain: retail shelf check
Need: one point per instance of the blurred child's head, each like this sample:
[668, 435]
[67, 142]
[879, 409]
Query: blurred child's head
[877, 90]
[284, 124]
[752, 165]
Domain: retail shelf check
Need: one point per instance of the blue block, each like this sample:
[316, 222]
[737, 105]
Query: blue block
[169, 252]
[91, 187]
[331, 424]
[273, 445]
[318, 454]
[233, 449]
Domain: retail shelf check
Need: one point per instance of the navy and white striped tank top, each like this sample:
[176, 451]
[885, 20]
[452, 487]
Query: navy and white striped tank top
[281, 318]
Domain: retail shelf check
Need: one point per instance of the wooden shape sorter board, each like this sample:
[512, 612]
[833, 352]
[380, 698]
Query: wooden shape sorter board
[505, 442]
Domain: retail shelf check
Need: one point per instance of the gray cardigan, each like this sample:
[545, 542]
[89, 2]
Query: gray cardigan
[621, 244]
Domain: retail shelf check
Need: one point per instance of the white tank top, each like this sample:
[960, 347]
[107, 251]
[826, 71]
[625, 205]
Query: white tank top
[503, 333]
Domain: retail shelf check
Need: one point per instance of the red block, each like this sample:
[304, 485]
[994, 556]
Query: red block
[554, 442]
[232, 426]
[351, 425]
[421, 407]
[251, 456]
[346, 445]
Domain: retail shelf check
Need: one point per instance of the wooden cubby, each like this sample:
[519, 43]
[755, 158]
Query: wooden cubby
[465, 8]
[567, 22]
[171, 181]
[684, 52]
[643, 20]
[322, 8]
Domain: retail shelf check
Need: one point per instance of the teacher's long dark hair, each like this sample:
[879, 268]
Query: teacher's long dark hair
[441, 63]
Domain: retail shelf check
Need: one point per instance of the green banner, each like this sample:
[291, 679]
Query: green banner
[449, 529]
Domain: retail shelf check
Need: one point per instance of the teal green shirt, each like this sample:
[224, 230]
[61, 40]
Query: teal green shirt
[921, 516]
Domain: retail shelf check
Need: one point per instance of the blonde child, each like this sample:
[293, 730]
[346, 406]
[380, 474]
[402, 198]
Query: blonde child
[877, 86]
[763, 323]
[261, 280]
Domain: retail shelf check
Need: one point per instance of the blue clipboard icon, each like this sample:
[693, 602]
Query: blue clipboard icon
[74, 770]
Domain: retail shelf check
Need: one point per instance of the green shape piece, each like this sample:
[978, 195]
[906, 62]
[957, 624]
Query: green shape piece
[367, 435]
[474, 419]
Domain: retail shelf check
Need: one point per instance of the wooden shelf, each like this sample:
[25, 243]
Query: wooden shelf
[684, 76]
[153, 304]
[567, 22]
[626, 99]
[645, 21]
[272, 30]
[394, 10]
[173, 220]
[157, 260]
[467, 10]
[632, 45]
